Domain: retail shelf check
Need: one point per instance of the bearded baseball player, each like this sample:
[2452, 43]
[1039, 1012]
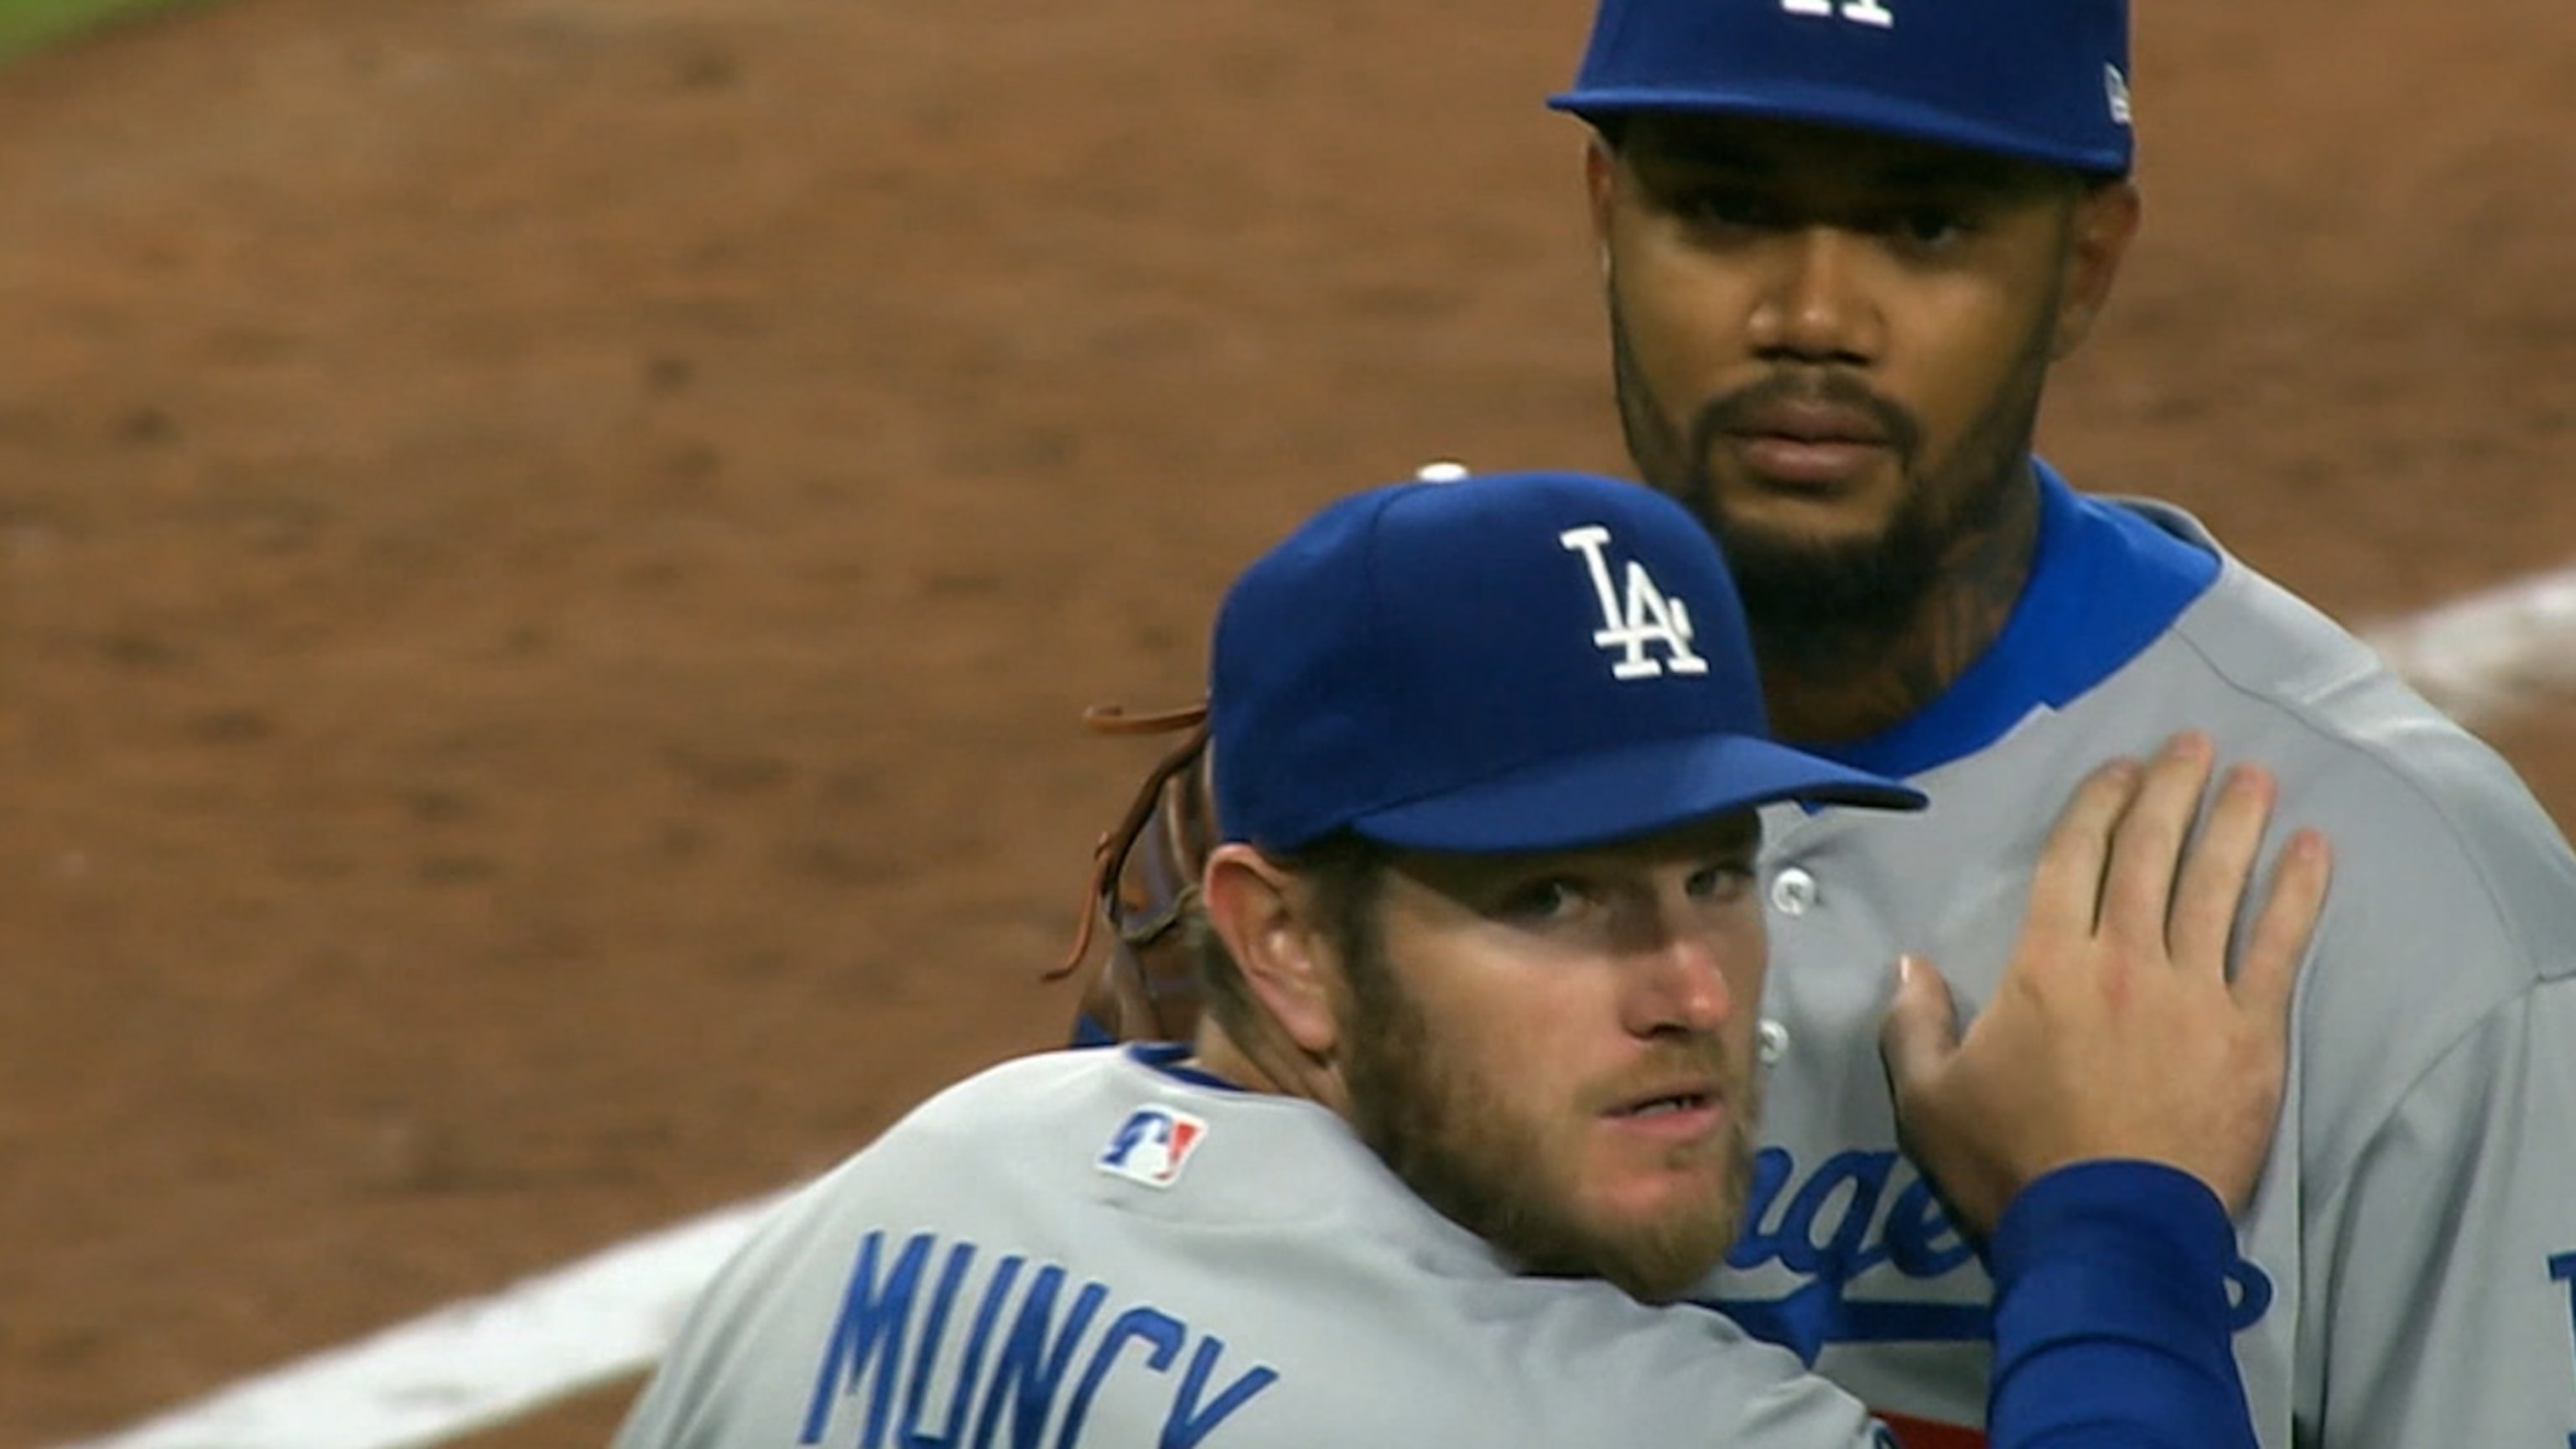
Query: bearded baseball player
[1842, 243]
[1473, 1096]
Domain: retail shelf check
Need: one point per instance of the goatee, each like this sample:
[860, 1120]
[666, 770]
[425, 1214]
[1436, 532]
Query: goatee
[1825, 608]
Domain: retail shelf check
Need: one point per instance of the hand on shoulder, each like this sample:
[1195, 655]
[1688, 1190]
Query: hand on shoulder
[2117, 1030]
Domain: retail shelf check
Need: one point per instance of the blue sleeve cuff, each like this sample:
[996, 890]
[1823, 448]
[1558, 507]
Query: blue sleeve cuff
[2111, 1315]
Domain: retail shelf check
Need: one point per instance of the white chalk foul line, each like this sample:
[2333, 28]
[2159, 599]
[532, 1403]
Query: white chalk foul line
[2491, 653]
[483, 1362]
[470, 1365]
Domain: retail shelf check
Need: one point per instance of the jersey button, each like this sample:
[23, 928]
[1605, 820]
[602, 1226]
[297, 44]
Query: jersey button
[1771, 1041]
[1792, 891]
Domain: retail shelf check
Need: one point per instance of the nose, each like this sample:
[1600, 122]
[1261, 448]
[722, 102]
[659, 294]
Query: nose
[1680, 982]
[1814, 305]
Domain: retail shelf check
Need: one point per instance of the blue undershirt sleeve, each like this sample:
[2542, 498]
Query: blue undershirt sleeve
[2111, 1315]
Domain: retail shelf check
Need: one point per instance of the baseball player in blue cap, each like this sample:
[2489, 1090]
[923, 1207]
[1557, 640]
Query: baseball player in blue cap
[1842, 244]
[1472, 1102]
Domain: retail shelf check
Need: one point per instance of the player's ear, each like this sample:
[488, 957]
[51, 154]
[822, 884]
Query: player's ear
[1600, 189]
[1254, 906]
[2104, 221]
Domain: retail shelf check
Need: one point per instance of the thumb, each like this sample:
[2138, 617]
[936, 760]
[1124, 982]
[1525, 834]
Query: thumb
[1921, 1029]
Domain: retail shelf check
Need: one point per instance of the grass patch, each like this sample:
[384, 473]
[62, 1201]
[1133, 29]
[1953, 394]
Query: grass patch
[26, 25]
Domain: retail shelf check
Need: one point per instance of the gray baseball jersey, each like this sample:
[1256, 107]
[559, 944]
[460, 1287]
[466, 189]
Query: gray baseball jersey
[1090, 1248]
[2409, 1273]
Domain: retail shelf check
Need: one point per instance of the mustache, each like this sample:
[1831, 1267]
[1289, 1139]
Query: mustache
[1711, 1060]
[1736, 412]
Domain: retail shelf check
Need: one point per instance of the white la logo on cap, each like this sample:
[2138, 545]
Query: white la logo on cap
[1648, 616]
[1862, 12]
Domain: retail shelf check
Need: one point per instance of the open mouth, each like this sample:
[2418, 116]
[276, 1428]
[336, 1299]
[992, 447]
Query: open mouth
[1667, 1104]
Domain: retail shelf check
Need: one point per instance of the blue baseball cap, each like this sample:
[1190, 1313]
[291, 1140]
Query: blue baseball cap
[2040, 80]
[1508, 662]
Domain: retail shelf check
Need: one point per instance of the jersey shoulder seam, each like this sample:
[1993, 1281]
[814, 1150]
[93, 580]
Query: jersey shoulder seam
[2302, 708]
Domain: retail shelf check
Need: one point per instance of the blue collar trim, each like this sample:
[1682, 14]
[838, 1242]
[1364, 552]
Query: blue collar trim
[1170, 1057]
[2105, 581]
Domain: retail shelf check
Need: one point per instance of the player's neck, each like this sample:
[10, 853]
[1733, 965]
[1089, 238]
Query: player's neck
[1266, 1064]
[1831, 689]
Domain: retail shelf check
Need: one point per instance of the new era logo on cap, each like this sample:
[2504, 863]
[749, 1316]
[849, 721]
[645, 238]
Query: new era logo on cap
[2115, 89]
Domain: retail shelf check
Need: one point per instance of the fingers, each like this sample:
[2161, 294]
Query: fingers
[2269, 971]
[2066, 888]
[2137, 889]
[1921, 1029]
[2217, 868]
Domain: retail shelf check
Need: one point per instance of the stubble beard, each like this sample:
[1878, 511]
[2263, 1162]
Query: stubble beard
[1422, 1114]
[1828, 607]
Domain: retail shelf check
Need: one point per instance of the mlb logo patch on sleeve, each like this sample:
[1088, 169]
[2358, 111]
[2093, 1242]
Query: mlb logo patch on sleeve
[1152, 1146]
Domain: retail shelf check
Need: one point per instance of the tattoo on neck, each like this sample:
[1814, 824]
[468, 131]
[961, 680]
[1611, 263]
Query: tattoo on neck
[1848, 687]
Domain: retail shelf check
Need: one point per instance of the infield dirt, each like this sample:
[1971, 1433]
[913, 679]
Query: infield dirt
[550, 550]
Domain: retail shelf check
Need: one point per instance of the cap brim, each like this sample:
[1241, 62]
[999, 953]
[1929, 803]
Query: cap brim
[1601, 799]
[1835, 106]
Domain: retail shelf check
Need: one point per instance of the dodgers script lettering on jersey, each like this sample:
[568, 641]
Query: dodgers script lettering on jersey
[1837, 1225]
[2563, 1269]
[993, 1341]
